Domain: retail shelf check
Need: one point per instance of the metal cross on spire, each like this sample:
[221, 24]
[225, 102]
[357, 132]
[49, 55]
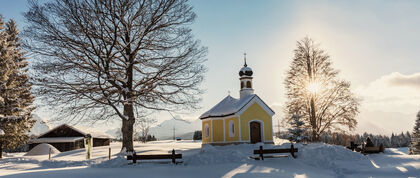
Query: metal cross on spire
[245, 60]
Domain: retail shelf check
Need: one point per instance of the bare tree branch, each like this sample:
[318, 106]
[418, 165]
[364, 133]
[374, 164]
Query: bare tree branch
[315, 93]
[109, 58]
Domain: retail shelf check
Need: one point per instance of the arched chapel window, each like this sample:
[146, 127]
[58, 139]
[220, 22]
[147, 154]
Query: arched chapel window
[242, 85]
[231, 128]
[206, 130]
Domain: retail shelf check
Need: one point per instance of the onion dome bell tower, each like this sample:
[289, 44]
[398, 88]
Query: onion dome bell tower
[245, 77]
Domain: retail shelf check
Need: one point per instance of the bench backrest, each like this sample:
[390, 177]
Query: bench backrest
[162, 156]
[172, 156]
[290, 150]
[268, 151]
[375, 148]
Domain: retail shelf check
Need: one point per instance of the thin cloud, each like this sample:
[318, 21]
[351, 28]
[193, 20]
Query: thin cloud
[390, 102]
[398, 79]
[394, 86]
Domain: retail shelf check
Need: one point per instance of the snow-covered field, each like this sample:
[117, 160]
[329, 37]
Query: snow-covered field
[314, 160]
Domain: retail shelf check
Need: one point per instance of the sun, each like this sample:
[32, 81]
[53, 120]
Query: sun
[314, 87]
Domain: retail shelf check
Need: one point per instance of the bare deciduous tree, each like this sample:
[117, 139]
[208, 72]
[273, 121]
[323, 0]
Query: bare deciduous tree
[106, 59]
[143, 125]
[314, 92]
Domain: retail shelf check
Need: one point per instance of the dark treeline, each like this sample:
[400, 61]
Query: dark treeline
[145, 139]
[197, 135]
[396, 140]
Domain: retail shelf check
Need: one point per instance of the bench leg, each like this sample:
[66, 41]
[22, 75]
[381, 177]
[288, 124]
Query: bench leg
[261, 153]
[173, 156]
[134, 158]
[292, 149]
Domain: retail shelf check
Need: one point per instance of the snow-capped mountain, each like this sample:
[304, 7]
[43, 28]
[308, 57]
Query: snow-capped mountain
[115, 132]
[41, 125]
[165, 129]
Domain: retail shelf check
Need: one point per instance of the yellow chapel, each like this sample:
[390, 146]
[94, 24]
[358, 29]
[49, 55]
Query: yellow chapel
[246, 119]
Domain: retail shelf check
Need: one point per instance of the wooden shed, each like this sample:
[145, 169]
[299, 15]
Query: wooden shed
[66, 138]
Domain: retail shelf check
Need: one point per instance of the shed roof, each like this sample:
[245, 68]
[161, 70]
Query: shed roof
[82, 130]
[55, 139]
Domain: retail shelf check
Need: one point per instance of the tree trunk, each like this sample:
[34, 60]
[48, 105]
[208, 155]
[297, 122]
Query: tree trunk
[127, 128]
[313, 121]
[127, 134]
[312, 114]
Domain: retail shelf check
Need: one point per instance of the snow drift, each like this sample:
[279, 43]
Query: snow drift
[328, 156]
[313, 160]
[42, 149]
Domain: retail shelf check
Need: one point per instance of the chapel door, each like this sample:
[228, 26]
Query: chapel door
[255, 128]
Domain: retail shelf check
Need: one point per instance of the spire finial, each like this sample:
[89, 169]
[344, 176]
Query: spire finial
[245, 60]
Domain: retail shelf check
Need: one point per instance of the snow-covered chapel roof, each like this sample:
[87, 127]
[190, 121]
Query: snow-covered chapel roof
[230, 106]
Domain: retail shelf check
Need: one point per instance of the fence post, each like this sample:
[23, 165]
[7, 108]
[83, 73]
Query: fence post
[109, 154]
[49, 154]
[381, 148]
[292, 151]
[173, 156]
[134, 158]
[261, 153]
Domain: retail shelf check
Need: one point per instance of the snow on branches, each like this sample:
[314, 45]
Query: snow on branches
[15, 96]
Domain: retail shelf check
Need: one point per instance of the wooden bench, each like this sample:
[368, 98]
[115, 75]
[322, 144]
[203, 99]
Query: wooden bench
[374, 149]
[172, 156]
[261, 152]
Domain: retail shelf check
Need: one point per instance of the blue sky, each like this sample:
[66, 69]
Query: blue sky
[375, 45]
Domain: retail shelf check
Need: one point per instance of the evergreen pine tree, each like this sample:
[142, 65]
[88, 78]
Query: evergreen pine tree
[15, 96]
[415, 137]
[6, 69]
[403, 140]
[394, 141]
[408, 138]
[297, 128]
[197, 135]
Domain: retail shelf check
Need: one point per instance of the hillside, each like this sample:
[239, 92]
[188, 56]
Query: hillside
[41, 125]
[164, 130]
[185, 136]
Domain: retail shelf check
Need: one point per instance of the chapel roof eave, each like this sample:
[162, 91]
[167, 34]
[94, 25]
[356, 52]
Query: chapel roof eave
[217, 116]
[238, 109]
